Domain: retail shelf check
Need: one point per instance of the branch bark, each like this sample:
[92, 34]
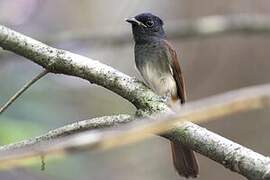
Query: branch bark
[60, 61]
[231, 155]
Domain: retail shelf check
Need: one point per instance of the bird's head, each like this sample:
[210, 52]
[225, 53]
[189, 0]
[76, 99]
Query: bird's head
[146, 26]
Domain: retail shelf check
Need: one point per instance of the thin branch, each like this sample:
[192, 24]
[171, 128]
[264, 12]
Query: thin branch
[231, 155]
[23, 89]
[80, 126]
[60, 61]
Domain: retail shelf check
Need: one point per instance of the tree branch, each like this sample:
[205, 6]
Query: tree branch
[231, 155]
[64, 62]
[22, 90]
[60, 61]
[80, 126]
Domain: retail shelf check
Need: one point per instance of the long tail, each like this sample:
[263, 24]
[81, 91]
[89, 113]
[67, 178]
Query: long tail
[184, 160]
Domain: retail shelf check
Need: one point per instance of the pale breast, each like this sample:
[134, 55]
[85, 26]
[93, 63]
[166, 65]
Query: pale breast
[153, 64]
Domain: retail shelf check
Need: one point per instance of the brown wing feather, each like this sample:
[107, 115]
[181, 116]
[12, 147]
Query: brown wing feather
[177, 73]
[184, 159]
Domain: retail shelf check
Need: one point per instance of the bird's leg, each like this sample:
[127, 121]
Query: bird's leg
[166, 98]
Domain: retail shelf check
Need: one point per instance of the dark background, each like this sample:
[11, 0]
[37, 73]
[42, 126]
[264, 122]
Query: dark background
[211, 66]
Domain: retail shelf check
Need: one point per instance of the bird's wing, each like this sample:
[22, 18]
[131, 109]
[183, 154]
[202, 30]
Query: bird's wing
[176, 71]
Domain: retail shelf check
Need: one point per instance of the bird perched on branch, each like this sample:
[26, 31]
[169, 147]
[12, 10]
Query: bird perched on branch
[157, 62]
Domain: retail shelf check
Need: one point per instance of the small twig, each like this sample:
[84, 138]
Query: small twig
[24, 88]
[43, 164]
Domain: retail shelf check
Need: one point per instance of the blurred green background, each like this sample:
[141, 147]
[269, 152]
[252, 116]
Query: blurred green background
[211, 66]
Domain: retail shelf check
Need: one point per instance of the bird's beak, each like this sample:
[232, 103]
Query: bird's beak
[133, 20]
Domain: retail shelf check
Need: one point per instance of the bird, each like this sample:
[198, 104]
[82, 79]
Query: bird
[157, 62]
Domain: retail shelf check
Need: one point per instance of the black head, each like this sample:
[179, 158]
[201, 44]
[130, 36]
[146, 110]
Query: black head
[146, 27]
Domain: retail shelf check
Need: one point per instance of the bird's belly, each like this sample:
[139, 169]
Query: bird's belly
[153, 64]
[162, 83]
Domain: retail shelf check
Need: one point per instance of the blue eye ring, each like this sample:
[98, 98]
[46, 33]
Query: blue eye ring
[149, 23]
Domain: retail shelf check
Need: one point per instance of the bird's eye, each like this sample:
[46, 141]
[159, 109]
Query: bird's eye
[149, 23]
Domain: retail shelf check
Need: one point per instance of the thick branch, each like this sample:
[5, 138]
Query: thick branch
[233, 156]
[59, 61]
[64, 62]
